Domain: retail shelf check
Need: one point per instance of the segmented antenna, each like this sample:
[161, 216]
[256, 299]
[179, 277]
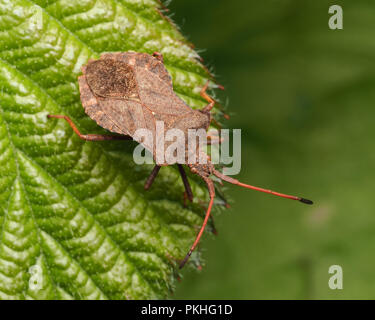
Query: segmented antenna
[282, 195]
[211, 190]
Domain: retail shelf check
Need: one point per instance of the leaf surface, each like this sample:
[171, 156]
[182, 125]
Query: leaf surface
[75, 220]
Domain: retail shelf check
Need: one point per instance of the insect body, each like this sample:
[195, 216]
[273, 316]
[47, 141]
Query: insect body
[124, 92]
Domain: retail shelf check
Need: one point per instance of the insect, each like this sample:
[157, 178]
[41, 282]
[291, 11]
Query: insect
[127, 91]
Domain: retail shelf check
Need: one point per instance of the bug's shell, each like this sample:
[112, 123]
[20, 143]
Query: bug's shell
[127, 91]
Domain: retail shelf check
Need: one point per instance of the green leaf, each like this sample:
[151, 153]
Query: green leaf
[75, 220]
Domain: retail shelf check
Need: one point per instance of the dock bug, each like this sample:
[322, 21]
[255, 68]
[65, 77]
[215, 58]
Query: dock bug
[127, 91]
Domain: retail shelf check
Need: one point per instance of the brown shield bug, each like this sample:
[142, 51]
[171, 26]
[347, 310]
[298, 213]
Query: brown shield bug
[127, 91]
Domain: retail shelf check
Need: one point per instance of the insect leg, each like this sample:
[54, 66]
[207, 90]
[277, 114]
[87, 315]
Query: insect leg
[211, 190]
[204, 95]
[185, 180]
[152, 176]
[158, 56]
[89, 137]
[202, 204]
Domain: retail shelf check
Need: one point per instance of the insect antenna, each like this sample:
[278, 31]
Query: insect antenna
[234, 181]
[211, 190]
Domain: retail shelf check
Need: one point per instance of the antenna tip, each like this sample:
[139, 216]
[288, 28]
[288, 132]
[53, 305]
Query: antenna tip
[306, 201]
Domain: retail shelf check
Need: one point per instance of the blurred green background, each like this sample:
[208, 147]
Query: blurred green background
[304, 97]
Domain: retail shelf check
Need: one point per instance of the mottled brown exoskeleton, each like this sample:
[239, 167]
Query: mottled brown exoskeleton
[127, 91]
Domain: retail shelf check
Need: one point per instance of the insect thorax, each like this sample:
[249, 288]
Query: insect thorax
[202, 170]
